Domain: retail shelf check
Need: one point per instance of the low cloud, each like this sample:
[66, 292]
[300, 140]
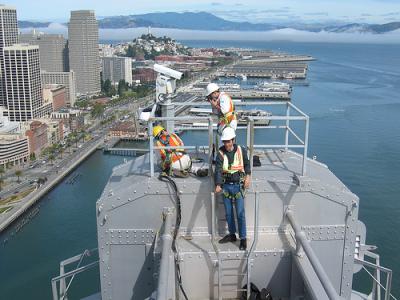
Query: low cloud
[287, 34]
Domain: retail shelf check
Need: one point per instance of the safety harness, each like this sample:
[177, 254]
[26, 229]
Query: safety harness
[166, 163]
[233, 172]
[226, 119]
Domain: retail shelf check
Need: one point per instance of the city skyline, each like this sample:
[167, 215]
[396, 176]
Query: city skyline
[369, 11]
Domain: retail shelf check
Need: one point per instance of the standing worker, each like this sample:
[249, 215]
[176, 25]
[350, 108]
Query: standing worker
[232, 176]
[223, 104]
[173, 161]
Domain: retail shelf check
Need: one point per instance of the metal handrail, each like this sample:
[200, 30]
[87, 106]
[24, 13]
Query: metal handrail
[303, 144]
[378, 269]
[303, 243]
[63, 276]
[255, 241]
[165, 263]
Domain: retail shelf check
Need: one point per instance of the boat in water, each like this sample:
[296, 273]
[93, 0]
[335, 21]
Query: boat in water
[275, 86]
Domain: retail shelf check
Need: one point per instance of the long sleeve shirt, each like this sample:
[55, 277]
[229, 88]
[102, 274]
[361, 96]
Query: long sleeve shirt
[220, 160]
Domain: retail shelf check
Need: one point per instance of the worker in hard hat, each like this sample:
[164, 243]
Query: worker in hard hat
[232, 176]
[173, 161]
[222, 103]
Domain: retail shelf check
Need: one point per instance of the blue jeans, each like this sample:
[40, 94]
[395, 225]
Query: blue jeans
[233, 189]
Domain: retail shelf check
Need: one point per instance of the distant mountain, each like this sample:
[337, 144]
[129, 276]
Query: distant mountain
[364, 28]
[207, 21]
[187, 20]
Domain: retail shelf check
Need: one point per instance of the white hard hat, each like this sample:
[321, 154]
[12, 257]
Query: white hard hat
[228, 134]
[211, 88]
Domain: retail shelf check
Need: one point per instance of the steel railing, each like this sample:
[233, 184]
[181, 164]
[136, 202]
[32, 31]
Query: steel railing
[61, 293]
[287, 118]
[303, 244]
[376, 277]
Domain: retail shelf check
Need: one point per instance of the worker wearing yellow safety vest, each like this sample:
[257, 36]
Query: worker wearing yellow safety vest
[173, 161]
[232, 176]
[222, 103]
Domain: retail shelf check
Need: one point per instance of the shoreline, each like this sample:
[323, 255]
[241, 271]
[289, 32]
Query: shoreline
[53, 181]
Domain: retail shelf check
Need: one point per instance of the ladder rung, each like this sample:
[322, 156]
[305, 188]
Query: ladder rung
[237, 258]
[239, 274]
[235, 290]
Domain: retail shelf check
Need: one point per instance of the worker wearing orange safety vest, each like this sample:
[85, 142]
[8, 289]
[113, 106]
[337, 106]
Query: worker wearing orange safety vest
[173, 161]
[223, 104]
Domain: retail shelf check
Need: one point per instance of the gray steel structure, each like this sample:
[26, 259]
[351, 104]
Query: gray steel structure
[83, 45]
[305, 239]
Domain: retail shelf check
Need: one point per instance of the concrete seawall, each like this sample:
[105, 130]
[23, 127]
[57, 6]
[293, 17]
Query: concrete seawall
[35, 196]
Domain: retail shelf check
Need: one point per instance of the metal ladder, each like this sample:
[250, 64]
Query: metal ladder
[247, 256]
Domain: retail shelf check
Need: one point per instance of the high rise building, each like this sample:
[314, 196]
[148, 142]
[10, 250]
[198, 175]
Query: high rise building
[116, 68]
[52, 48]
[83, 44]
[22, 83]
[8, 37]
[66, 79]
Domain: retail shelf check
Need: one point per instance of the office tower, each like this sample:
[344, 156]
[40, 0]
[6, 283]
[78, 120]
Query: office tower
[8, 37]
[83, 44]
[52, 48]
[66, 79]
[116, 68]
[22, 84]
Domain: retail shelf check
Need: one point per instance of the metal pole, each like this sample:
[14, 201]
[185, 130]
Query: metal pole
[62, 281]
[210, 145]
[287, 126]
[304, 168]
[318, 268]
[378, 275]
[151, 150]
[213, 215]
[162, 289]
[251, 143]
[388, 285]
[255, 241]
[54, 289]
[248, 135]
[213, 232]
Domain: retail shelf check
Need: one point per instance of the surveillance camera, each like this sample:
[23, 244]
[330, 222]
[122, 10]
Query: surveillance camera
[167, 71]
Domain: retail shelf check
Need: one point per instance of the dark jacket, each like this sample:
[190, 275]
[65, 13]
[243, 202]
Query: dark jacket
[220, 160]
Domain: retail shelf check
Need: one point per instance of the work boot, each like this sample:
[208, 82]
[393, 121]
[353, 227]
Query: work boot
[243, 244]
[228, 238]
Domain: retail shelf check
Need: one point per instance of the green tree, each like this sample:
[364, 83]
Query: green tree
[2, 171]
[32, 156]
[122, 87]
[1, 183]
[51, 157]
[107, 87]
[97, 110]
[18, 173]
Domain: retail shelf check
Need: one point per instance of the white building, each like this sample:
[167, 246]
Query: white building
[22, 83]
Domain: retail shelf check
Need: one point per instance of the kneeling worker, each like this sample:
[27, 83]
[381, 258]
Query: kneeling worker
[232, 174]
[173, 161]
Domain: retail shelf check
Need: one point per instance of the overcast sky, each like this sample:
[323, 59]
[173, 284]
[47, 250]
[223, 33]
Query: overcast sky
[368, 11]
